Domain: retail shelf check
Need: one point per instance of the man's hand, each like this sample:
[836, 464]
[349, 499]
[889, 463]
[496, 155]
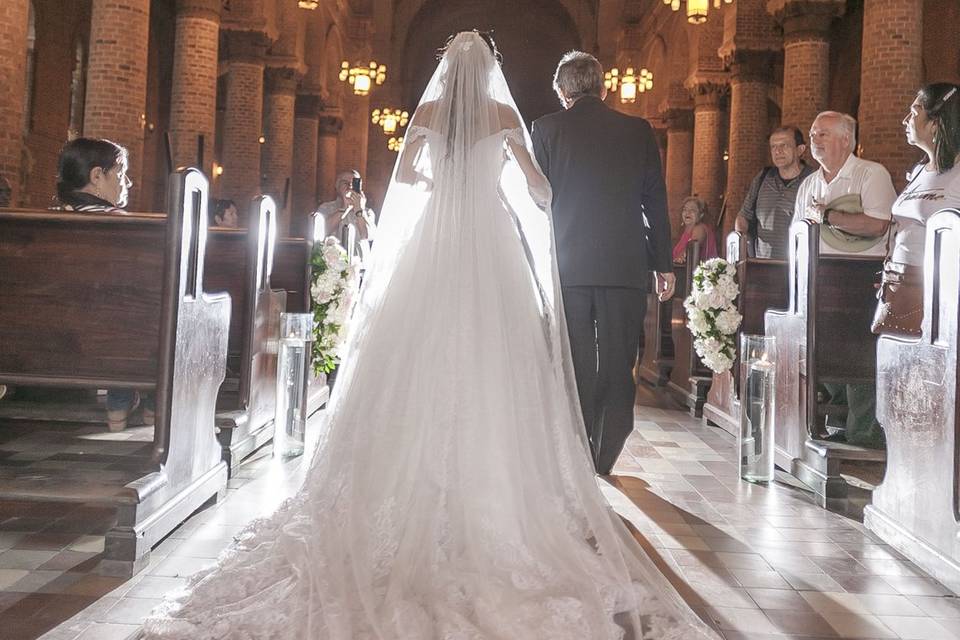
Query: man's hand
[666, 283]
[356, 201]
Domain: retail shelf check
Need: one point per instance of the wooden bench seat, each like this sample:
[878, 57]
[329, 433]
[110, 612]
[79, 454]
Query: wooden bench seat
[240, 262]
[916, 509]
[117, 301]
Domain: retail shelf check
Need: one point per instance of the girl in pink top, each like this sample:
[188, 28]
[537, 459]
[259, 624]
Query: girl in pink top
[694, 228]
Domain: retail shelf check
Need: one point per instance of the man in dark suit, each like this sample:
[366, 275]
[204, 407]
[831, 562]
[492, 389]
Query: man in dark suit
[612, 229]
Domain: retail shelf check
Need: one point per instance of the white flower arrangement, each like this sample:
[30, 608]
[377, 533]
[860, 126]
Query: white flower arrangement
[712, 317]
[334, 283]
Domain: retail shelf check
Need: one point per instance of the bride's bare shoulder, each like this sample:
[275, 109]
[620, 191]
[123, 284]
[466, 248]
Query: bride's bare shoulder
[424, 113]
[508, 116]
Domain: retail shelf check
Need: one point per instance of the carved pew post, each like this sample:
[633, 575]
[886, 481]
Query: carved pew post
[657, 352]
[689, 379]
[292, 272]
[762, 286]
[917, 508]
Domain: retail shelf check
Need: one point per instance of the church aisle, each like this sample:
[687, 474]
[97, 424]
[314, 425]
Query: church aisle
[760, 563]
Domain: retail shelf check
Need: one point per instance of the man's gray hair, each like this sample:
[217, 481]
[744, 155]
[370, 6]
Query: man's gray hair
[578, 74]
[848, 125]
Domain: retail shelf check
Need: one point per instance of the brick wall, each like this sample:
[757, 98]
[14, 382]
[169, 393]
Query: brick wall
[193, 96]
[352, 147]
[59, 28]
[117, 76]
[749, 150]
[679, 163]
[891, 71]
[806, 81]
[806, 58]
[328, 142]
[709, 141]
[241, 130]
[13, 48]
[305, 129]
[277, 158]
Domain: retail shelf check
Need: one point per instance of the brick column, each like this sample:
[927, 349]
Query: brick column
[750, 79]
[806, 57]
[890, 75]
[709, 129]
[305, 162]
[13, 70]
[193, 98]
[242, 124]
[328, 141]
[679, 164]
[117, 78]
[352, 148]
[278, 117]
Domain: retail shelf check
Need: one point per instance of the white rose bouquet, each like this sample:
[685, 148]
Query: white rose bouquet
[712, 317]
[334, 284]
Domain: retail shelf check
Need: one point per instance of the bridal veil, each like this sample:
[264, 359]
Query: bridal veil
[451, 496]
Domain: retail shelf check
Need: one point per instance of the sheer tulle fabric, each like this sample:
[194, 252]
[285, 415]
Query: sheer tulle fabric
[451, 496]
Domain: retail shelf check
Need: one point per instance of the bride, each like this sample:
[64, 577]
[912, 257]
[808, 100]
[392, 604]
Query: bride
[451, 496]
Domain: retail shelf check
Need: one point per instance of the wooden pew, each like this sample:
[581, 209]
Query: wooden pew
[689, 378]
[656, 348]
[109, 301]
[291, 272]
[240, 262]
[823, 336]
[915, 509]
[763, 285]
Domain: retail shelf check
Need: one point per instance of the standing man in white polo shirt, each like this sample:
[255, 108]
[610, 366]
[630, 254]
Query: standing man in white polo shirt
[851, 198]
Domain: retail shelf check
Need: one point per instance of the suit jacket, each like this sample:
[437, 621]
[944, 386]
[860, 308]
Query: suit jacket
[604, 169]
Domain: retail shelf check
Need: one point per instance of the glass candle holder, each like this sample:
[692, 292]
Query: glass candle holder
[296, 333]
[757, 404]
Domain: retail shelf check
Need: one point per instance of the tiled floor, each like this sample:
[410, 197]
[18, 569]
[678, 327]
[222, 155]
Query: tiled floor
[760, 563]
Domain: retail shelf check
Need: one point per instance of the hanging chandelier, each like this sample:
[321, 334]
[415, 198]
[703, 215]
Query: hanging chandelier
[628, 83]
[395, 144]
[308, 4]
[390, 119]
[697, 9]
[362, 77]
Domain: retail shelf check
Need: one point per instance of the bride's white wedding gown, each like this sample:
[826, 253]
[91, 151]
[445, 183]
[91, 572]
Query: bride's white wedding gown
[451, 496]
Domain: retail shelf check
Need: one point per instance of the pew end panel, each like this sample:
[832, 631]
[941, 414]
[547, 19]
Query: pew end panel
[193, 340]
[292, 273]
[116, 301]
[916, 509]
[763, 286]
[241, 263]
[822, 336]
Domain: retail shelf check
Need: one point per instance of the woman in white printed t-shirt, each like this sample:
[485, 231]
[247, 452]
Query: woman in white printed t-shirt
[933, 125]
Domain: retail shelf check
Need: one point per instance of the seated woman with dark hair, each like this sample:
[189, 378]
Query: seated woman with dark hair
[692, 213]
[223, 213]
[92, 178]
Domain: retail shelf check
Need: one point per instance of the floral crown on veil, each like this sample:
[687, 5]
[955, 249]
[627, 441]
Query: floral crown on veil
[485, 36]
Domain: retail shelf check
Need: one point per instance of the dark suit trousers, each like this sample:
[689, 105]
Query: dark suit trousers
[604, 325]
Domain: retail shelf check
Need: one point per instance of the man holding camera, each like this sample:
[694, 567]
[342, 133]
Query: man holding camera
[348, 218]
